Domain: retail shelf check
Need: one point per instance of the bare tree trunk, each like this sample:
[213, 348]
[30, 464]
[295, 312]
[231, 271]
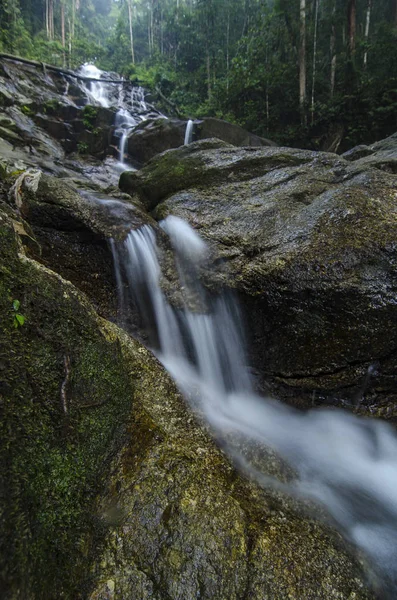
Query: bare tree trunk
[351, 27]
[152, 26]
[149, 37]
[70, 44]
[209, 91]
[47, 20]
[131, 33]
[314, 57]
[63, 32]
[51, 19]
[227, 48]
[161, 33]
[302, 62]
[332, 48]
[366, 35]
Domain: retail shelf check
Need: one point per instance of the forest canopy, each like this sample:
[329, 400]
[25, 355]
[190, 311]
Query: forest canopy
[312, 73]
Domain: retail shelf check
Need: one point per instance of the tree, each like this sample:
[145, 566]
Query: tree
[302, 61]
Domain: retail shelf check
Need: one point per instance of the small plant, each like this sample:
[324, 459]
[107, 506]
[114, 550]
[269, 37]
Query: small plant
[26, 110]
[82, 148]
[90, 114]
[19, 319]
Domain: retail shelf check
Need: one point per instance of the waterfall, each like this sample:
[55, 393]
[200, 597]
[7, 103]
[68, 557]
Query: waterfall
[124, 122]
[189, 132]
[95, 90]
[346, 463]
[129, 101]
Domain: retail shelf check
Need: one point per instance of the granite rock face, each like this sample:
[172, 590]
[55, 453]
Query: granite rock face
[307, 240]
[110, 488]
[155, 136]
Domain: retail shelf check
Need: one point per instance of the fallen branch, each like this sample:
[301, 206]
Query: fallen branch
[173, 106]
[44, 66]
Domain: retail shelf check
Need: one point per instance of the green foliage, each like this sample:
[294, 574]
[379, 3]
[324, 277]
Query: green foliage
[82, 148]
[231, 60]
[90, 114]
[19, 319]
[26, 110]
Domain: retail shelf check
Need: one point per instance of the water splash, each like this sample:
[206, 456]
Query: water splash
[189, 132]
[346, 463]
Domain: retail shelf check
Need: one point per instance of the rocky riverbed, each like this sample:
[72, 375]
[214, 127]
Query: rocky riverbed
[111, 487]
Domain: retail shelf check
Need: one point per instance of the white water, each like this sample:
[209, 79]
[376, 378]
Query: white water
[188, 132]
[124, 122]
[348, 464]
[130, 102]
[97, 91]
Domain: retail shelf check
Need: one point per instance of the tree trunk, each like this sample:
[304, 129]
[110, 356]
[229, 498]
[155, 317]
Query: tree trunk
[314, 56]
[131, 33]
[227, 48]
[333, 50]
[47, 20]
[351, 27]
[70, 44]
[209, 92]
[63, 33]
[149, 37]
[302, 62]
[367, 23]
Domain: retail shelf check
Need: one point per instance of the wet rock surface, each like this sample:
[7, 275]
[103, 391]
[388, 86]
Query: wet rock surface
[155, 136]
[110, 487]
[381, 155]
[307, 240]
[116, 491]
[71, 230]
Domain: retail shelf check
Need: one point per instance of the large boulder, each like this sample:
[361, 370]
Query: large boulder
[307, 240]
[109, 489]
[228, 132]
[382, 155]
[154, 136]
[72, 229]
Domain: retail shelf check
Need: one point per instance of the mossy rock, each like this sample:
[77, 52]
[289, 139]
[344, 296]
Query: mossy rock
[73, 229]
[109, 486]
[65, 399]
[307, 240]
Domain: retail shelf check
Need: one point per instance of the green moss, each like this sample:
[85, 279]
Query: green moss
[65, 399]
[51, 107]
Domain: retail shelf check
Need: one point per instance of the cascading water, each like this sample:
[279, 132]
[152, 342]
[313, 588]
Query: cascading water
[189, 132]
[130, 102]
[96, 91]
[124, 122]
[347, 463]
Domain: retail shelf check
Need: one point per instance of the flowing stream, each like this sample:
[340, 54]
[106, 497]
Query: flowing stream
[346, 463]
[129, 100]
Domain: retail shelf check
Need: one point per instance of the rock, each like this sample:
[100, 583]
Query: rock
[73, 229]
[357, 152]
[228, 132]
[65, 400]
[115, 490]
[200, 163]
[307, 240]
[154, 136]
[382, 155]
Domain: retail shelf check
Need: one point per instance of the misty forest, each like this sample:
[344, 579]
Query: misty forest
[198, 299]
